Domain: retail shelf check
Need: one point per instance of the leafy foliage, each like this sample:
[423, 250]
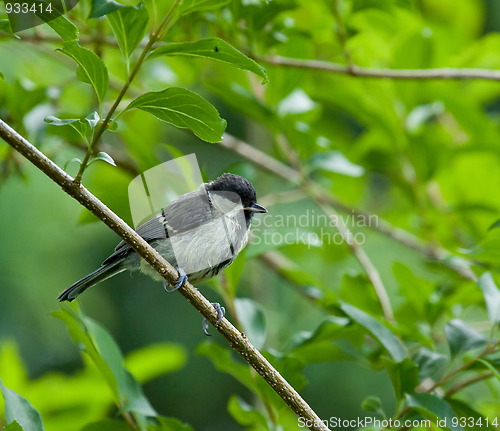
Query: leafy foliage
[185, 109]
[19, 413]
[213, 48]
[379, 257]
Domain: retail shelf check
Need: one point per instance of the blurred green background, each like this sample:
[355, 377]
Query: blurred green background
[421, 155]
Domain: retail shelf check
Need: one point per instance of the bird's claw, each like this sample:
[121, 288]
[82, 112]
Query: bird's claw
[181, 281]
[221, 311]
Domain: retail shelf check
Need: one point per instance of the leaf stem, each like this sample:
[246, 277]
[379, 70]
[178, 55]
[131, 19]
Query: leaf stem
[468, 382]
[130, 420]
[487, 350]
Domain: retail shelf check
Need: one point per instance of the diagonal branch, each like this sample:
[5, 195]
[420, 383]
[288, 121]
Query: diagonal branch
[237, 340]
[368, 72]
[316, 194]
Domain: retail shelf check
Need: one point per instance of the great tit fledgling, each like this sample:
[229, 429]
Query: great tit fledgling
[200, 233]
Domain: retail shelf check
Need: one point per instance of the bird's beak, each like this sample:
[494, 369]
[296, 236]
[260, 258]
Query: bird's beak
[256, 208]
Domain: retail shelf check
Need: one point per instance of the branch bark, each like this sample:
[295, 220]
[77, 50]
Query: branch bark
[237, 340]
[368, 72]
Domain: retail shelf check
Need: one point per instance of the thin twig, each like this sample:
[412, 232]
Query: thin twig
[487, 350]
[360, 254]
[237, 340]
[468, 382]
[368, 72]
[448, 394]
[357, 250]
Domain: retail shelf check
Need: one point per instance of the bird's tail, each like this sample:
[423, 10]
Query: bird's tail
[100, 274]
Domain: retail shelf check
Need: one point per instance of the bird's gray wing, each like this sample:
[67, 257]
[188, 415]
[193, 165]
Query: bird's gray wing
[187, 212]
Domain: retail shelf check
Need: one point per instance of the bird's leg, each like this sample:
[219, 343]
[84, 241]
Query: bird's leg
[181, 281]
[221, 311]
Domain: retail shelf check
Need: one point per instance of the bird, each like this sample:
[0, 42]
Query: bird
[200, 233]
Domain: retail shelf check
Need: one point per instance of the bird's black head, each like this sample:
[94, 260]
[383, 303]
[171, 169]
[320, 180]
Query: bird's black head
[243, 188]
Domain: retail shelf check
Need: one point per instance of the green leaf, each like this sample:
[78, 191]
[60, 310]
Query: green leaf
[491, 367]
[112, 126]
[91, 68]
[107, 425]
[34, 17]
[461, 338]
[245, 414]
[234, 271]
[19, 409]
[134, 399]
[66, 30]
[319, 346]
[215, 49]
[488, 249]
[222, 361]
[243, 100]
[415, 290]
[13, 426]
[432, 407]
[83, 126]
[491, 295]
[429, 362]
[169, 424]
[79, 332]
[102, 349]
[2, 76]
[332, 328]
[495, 225]
[105, 157]
[103, 7]
[251, 316]
[11, 364]
[462, 409]
[129, 25]
[155, 360]
[291, 367]
[92, 119]
[335, 161]
[128, 389]
[185, 109]
[390, 342]
[356, 290]
[423, 114]
[372, 404]
[5, 27]
[404, 376]
[190, 6]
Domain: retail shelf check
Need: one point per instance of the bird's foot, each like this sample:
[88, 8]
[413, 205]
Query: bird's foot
[221, 311]
[181, 281]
